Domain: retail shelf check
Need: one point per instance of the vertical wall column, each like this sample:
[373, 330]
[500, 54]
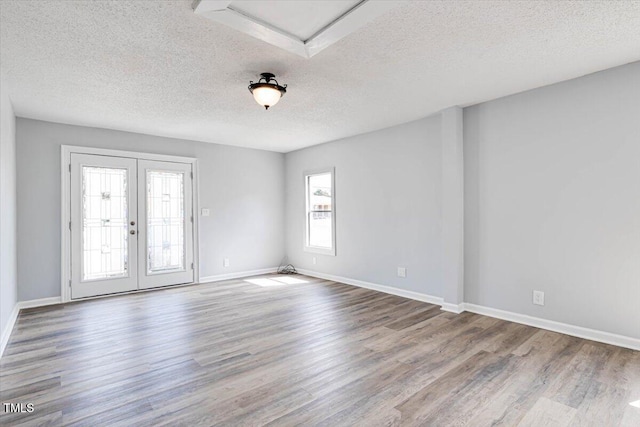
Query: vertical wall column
[8, 216]
[452, 210]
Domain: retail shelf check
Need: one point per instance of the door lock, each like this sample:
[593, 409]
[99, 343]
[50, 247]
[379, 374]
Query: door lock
[133, 223]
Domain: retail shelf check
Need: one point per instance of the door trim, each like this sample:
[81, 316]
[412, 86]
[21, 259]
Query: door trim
[65, 205]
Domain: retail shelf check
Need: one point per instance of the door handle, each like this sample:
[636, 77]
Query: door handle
[132, 232]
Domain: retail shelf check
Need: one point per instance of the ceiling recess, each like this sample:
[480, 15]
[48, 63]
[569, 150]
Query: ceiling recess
[303, 27]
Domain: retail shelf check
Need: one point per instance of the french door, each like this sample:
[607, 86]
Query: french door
[131, 224]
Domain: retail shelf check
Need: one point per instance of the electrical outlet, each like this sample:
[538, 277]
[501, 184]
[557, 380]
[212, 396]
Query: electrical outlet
[315, 261]
[225, 262]
[538, 297]
[205, 212]
[402, 272]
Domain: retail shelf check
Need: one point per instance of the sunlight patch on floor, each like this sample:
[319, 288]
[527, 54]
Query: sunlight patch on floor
[290, 280]
[275, 281]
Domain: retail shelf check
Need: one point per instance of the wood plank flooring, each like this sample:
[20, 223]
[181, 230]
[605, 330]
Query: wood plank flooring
[293, 350]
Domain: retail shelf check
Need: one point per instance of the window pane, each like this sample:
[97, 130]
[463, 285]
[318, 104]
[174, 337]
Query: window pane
[165, 221]
[320, 210]
[320, 192]
[104, 223]
[320, 229]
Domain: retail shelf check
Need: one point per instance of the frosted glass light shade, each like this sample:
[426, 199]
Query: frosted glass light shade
[266, 91]
[267, 96]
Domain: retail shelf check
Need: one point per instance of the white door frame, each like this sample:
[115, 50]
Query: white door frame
[65, 212]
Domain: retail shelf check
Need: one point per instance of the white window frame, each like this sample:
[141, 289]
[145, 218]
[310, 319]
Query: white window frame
[315, 249]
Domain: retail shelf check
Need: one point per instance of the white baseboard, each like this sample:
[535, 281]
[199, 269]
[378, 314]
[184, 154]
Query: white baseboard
[453, 308]
[6, 333]
[39, 302]
[237, 275]
[375, 287]
[563, 328]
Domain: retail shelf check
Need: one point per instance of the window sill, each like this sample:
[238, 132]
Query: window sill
[320, 251]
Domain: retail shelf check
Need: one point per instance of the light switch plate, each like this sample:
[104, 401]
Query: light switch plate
[205, 212]
[402, 272]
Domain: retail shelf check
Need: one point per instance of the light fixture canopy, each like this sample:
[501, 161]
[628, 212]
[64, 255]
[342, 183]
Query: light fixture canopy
[265, 91]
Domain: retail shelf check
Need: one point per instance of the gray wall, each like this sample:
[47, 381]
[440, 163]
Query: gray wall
[244, 189]
[388, 206]
[553, 201]
[8, 262]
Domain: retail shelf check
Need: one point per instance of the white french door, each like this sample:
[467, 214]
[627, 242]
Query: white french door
[131, 224]
[103, 209]
[166, 231]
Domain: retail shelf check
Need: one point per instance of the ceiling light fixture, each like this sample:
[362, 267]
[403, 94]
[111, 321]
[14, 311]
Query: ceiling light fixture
[265, 92]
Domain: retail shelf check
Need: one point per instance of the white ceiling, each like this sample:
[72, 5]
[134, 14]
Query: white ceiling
[156, 67]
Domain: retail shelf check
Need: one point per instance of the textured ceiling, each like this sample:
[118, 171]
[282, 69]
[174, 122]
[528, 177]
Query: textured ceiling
[156, 67]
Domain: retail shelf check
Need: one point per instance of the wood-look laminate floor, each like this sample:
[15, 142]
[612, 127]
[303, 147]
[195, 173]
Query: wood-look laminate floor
[293, 350]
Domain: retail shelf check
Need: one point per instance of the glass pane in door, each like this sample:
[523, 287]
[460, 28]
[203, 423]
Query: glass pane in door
[165, 221]
[104, 223]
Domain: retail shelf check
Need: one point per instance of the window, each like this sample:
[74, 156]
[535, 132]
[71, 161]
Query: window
[320, 236]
